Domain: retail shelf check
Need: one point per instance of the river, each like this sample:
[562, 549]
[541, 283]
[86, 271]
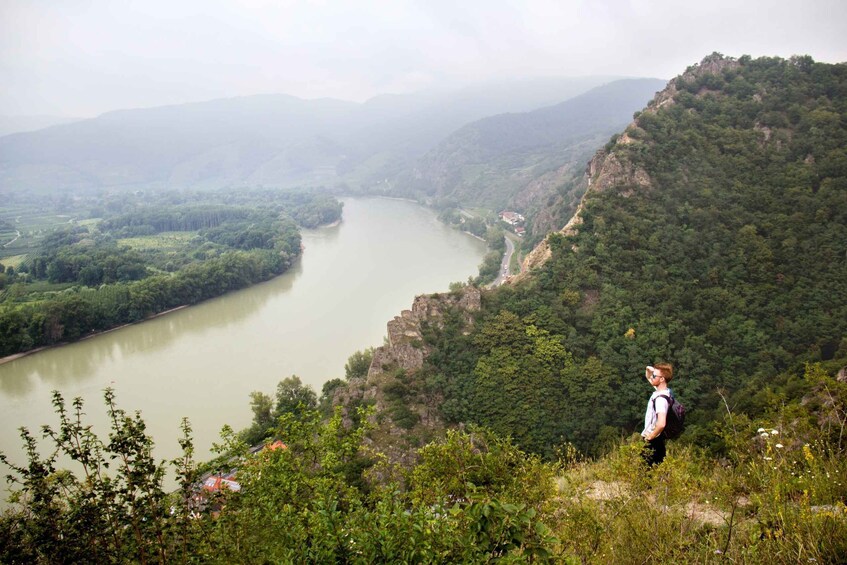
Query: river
[202, 362]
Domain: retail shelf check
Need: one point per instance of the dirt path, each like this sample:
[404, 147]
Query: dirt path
[17, 237]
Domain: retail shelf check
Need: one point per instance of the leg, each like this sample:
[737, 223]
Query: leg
[654, 451]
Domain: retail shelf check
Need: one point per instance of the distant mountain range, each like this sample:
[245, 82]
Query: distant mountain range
[18, 124]
[492, 161]
[283, 141]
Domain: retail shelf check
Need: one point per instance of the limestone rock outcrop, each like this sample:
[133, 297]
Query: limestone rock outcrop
[396, 362]
[405, 348]
[608, 169]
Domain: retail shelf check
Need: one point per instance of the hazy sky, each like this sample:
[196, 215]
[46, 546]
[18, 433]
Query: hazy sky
[84, 57]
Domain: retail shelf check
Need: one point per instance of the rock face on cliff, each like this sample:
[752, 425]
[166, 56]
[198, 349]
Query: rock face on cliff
[404, 410]
[608, 169]
[405, 348]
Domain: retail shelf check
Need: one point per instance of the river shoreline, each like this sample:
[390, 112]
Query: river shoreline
[14, 356]
[203, 366]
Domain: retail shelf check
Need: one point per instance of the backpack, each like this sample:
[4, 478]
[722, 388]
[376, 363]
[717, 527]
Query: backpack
[675, 420]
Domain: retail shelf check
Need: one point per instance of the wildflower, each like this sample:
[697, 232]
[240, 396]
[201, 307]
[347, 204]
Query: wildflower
[774, 432]
[768, 458]
[718, 552]
[764, 434]
[760, 430]
[807, 453]
[778, 446]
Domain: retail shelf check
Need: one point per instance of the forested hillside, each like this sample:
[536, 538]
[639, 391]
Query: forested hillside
[262, 140]
[713, 237]
[490, 162]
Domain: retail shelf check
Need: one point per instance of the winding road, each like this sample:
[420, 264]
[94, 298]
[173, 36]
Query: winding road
[504, 265]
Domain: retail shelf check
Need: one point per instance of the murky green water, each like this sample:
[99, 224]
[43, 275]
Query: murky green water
[202, 362]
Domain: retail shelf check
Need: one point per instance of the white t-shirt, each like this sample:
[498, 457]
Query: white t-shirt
[661, 408]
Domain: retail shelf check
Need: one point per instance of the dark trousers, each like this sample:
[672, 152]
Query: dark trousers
[654, 451]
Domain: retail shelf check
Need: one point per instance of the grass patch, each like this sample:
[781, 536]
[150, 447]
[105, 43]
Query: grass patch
[13, 260]
[165, 241]
[44, 286]
[767, 504]
[33, 223]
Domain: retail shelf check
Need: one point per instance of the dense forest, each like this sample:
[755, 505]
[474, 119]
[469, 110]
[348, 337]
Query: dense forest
[143, 256]
[712, 237]
[730, 263]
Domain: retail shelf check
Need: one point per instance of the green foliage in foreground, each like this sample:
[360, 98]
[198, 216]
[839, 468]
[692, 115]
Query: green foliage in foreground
[778, 496]
[292, 397]
[298, 504]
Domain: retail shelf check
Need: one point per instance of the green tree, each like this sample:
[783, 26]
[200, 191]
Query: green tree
[358, 364]
[293, 397]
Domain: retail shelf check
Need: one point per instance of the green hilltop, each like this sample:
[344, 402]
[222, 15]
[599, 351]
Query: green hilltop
[712, 236]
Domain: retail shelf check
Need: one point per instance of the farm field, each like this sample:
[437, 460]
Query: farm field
[23, 227]
[165, 241]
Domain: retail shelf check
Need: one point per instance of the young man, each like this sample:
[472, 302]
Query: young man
[657, 413]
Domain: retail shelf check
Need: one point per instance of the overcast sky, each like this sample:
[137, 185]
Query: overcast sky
[84, 57]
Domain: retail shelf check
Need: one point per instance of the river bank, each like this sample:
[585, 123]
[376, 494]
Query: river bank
[203, 362]
[90, 335]
[22, 354]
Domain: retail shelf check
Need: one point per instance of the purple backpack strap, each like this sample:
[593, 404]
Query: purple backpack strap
[668, 397]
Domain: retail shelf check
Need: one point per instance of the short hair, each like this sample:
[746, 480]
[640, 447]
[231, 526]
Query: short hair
[666, 369]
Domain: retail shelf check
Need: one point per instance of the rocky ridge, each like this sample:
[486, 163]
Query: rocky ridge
[405, 348]
[393, 368]
[608, 169]
[395, 364]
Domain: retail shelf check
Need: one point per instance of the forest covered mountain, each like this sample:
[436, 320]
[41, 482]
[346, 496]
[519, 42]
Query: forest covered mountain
[712, 236]
[19, 124]
[269, 140]
[490, 162]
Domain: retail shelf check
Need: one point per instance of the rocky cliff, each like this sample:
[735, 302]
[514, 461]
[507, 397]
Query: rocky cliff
[405, 348]
[405, 411]
[609, 168]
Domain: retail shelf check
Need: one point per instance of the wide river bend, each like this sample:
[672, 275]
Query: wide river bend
[202, 362]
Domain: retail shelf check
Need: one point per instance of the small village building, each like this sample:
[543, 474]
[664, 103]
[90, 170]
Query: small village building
[215, 483]
[276, 445]
[511, 218]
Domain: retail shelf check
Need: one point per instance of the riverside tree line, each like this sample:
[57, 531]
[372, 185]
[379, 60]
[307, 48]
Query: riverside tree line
[89, 278]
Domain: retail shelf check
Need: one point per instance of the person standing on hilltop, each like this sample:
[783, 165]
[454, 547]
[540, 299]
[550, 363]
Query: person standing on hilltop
[657, 412]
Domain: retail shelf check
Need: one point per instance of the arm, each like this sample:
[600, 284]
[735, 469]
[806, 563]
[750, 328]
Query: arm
[661, 420]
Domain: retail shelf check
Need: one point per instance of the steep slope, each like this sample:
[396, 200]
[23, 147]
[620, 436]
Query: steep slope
[272, 140]
[493, 161]
[711, 236]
